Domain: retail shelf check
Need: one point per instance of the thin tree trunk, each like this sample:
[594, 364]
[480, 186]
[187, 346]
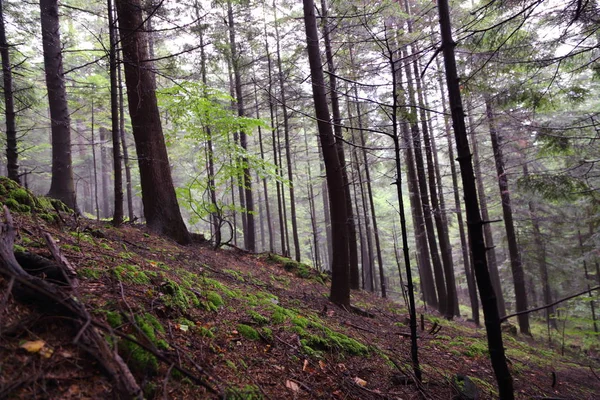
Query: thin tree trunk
[398, 183]
[457, 204]
[541, 257]
[475, 223]
[311, 206]
[340, 282]
[126, 161]
[104, 171]
[95, 165]
[487, 229]
[511, 237]
[250, 229]
[587, 279]
[12, 154]
[114, 111]
[61, 186]
[438, 270]
[286, 132]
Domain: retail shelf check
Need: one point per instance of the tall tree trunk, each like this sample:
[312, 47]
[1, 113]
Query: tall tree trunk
[311, 206]
[114, 117]
[423, 254]
[216, 217]
[475, 223]
[511, 236]
[340, 281]
[126, 161]
[487, 229]
[436, 210]
[12, 154]
[61, 186]
[395, 67]
[161, 209]
[272, 112]
[337, 129]
[250, 230]
[541, 257]
[457, 204]
[438, 269]
[286, 132]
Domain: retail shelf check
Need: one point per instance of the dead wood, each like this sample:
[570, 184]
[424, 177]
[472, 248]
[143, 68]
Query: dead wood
[58, 299]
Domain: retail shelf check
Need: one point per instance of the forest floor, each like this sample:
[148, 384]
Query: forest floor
[248, 326]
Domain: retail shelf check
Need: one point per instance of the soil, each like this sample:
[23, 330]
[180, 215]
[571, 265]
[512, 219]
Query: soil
[127, 273]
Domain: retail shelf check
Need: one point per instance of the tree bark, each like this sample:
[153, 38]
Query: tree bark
[475, 223]
[114, 111]
[161, 209]
[12, 154]
[286, 132]
[61, 186]
[337, 129]
[511, 236]
[250, 230]
[340, 281]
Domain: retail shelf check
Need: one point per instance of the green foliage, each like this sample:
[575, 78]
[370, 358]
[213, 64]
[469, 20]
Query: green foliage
[178, 297]
[248, 392]
[248, 332]
[299, 269]
[215, 299]
[114, 318]
[90, 273]
[553, 187]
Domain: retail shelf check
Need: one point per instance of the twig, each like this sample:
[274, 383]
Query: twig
[166, 381]
[593, 372]
[551, 304]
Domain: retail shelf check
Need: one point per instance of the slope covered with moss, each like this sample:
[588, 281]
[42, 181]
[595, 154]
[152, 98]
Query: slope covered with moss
[188, 320]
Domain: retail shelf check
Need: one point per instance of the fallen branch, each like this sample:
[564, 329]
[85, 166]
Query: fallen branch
[549, 305]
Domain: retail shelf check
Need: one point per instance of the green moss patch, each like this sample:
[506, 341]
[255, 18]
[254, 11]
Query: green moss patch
[248, 332]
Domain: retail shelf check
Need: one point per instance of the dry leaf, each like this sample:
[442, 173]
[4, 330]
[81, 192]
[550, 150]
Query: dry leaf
[305, 365]
[34, 346]
[182, 327]
[322, 365]
[46, 352]
[293, 386]
[360, 382]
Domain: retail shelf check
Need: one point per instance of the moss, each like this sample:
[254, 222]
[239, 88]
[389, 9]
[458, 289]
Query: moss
[60, 206]
[215, 299]
[266, 333]
[71, 247]
[258, 318]
[248, 392]
[114, 318]
[12, 204]
[131, 274]
[52, 218]
[248, 332]
[476, 349]
[205, 332]
[280, 314]
[83, 237]
[90, 273]
[178, 297]
[138, 359]
[19, 249]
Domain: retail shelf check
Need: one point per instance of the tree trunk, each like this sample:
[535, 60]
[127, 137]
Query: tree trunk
[104, 172]
[461, 226]
[12, 154]
[340, 281]
[250, 231]
[61, 186]
[487, 229]
[126, 161]
[422, 184]
[161, 209]
[286, 132]
[337, 129]
[114, 117]
[475, 223]
[511, 236]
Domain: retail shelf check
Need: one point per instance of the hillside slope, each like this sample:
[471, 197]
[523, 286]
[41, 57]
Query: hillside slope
[242, 325]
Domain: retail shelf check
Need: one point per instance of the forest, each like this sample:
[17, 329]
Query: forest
[440, 158]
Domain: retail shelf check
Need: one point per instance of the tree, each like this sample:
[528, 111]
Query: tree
[161, 208]
[340, 282]
[12, 154]
[61, 186]
[475, 224]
